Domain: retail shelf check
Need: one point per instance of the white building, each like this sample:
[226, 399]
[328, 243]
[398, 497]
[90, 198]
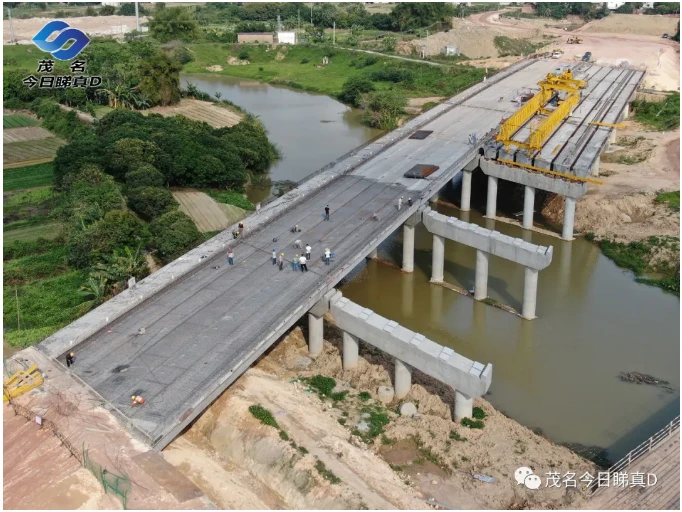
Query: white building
[614, 5]
[286, 37]
[449, 50]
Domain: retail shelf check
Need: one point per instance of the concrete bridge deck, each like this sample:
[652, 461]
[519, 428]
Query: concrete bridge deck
[205, 322]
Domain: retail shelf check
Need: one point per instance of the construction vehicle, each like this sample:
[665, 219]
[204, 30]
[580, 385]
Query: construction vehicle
[574, 40]
[557, 53]
[587, 57]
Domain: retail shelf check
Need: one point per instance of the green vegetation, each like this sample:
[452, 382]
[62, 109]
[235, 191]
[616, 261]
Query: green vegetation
[469, 423]
[455, 436]
[672, 199]
[230, 197]
[661, 116]
[17, 121]
[377, 422]
[479, 413]
[384, 109]
[513, 46]
[263, 415]
[638, 256]
[326, 473]
[325, 387]
[31, 176]
[364, 396]
[560, 10]
[283, 435]
[174, 23]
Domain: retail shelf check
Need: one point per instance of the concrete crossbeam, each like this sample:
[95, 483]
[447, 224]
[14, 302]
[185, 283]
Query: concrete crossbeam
[492, 242]
[466, 376]
[536, 180]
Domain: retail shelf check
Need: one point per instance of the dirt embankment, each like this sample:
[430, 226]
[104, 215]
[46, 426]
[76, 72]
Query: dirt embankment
[640, 164]
[233, 458]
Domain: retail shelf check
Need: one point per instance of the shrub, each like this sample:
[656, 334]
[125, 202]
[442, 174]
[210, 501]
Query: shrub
[305, 60]
[323, 385]
[469, 423]
[107, 10]
[174, 234]
[150, 202]
[354, 88]
[263, 415]
[384, 108]
[145, 176]
[479, 413]
[283, 435]
[260, 68]
[364, 396]
[243, 55]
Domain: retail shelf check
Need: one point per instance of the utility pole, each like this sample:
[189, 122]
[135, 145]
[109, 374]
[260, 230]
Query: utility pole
[11, 29]
[334, 34]
[311, 13]
[137, 17]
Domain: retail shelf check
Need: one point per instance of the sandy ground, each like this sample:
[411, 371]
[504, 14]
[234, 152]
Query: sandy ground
[40, 473]
[216, 115]
[623, 208]
[645, 25]
[414, 105]
[230, 456]
[24, 30]
[633, 46]
[206, 212]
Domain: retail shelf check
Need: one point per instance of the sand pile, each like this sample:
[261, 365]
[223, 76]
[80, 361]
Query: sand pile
[638, 24]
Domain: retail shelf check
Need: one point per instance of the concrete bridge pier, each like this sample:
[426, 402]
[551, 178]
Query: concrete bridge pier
[351, 349]
[374, 254]
[595, 169]
[481, 283]
[569, 218]
[530, 293]
[408, 241]
[626, 111]
[491, 204]
[403, 379]
[315, 335]
[528, 207]
[438, 259]
[464, 406]
[612, 136]
[465, 202]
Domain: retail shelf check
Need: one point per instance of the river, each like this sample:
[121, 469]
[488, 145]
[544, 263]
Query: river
[558, 373]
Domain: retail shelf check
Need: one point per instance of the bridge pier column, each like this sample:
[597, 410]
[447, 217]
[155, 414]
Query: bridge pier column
[350, 351]
[465, 202]
[569, 216]
[528, 207]
[403, 379]
[595, 169]
[315, 335]
[481, 283]
[374, 254]
[438, 259]
[626, 111]
[464, 406]
[612, 136]
[491, 205]
[408, 248]
[530, 292]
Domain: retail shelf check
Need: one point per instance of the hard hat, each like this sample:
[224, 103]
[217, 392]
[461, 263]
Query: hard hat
[282, 254]
[132, 397]
[71, 354]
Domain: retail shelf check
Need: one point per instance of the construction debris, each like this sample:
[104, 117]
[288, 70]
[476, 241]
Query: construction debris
[641, 378]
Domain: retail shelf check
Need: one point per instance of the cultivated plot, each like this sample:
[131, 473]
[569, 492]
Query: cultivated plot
[31, 151]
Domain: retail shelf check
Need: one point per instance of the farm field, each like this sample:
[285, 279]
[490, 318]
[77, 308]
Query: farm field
[17, 121]
[216, 115]
[29, 176]
[30, 151]
[207, 214]
[25, 133]
[49, 231]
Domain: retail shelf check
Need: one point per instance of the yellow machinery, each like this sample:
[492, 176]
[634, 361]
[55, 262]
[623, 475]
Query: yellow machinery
[539, 132]
[574, 40]
[608, 125]
[21, 382]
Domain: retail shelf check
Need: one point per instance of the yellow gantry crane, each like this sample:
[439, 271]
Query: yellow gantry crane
[539, 132]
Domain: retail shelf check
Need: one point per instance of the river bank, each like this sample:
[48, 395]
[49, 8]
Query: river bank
[402, 462]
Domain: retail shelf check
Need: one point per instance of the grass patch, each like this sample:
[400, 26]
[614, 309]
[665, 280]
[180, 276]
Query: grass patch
[479, 413]
[672, 199]
[303, 450]
[630, 159]
[45, 306]
[469, 423]
[263, 415]
[230, 197]
[364, 396]
[31, 176]
[661, 116]
[342, 421]
[512, 46]
[35, 196]
[283, 435]
[17, 121]
[30, 233]
[455, 435]
[35, 267]
[326, 473]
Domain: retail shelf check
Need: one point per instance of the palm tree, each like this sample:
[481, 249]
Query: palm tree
[218, 95]
[191, 89]
[94, 291]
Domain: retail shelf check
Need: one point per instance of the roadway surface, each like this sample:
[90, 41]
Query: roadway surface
[202, 331]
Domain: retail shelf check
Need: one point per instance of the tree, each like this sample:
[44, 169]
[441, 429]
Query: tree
[127, 155]
[123, 264]
[94, 292]
[389, 43]
[145, 176]
[174, 234]
[384, 108]
[676, 37]
[107, 10]
[160, 79]
[173, 23]
[354, 88]
[150, 202]
[411, 15]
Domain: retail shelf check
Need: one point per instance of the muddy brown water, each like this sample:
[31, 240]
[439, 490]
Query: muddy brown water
[311, 130]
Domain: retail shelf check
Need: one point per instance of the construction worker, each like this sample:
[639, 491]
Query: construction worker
[303, 263]
[230, 256]
[400, 202]
[296, 261]
[235, 234]
[326, 212]
[308, 250]
[409, 201]
[274, 256]
[137, 400]
[327, 255]
[70, 357]
[281, 261]
[241, 226]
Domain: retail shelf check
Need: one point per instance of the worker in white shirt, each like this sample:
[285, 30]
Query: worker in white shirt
[274, 256]
[303, 261]
[327, 255]
[308, 250]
